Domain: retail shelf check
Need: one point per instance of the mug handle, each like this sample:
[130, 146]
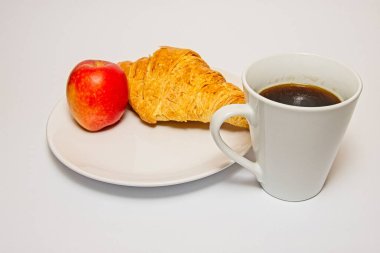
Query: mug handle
[218, 119]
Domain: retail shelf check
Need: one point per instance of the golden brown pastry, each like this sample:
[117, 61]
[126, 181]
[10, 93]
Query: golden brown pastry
[177, 85]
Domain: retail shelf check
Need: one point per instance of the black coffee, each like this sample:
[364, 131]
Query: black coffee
[305, 95]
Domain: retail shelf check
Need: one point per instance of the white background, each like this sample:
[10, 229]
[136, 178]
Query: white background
[46, 207]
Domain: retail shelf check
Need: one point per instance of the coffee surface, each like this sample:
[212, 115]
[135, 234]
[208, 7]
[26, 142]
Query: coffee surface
[305, 95]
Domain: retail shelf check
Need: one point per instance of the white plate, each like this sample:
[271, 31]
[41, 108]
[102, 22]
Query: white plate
[136, 154]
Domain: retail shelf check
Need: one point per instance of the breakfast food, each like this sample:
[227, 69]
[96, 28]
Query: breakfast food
[97, 94]
[176, 84]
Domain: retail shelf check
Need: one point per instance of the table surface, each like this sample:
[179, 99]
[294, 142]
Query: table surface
[46, 207]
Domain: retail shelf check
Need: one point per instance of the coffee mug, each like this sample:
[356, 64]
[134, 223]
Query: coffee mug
[294, 146]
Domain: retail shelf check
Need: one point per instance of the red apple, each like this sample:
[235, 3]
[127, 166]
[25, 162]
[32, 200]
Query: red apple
[97, 94]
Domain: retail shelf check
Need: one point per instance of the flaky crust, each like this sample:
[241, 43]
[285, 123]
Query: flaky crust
[177, 85]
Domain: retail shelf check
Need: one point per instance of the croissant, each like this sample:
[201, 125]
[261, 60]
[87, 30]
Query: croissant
[176, 84]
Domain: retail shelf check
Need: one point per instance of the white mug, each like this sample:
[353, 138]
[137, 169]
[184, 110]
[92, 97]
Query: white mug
[294, 146]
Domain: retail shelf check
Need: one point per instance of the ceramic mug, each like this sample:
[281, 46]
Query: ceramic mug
[294, 146]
